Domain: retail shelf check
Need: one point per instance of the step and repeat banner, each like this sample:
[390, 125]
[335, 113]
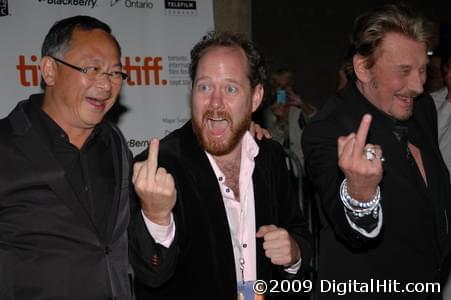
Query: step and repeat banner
[156, 37]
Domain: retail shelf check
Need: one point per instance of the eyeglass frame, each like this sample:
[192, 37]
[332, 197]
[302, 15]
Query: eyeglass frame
[84, 70]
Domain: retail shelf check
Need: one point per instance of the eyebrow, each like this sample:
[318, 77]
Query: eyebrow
[230, 80]
[233, 81]
[403, 67]
[98, 61]
[200, 79]
[409, 67]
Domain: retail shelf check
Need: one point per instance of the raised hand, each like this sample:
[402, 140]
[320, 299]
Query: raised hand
[154, 187]
[279, 246]
[361, 165]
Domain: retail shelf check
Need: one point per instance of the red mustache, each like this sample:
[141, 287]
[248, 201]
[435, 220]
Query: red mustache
[211, 114]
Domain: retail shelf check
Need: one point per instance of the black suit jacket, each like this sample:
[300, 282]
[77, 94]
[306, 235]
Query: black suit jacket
[413, 242]
[57, 251]
[206, 268]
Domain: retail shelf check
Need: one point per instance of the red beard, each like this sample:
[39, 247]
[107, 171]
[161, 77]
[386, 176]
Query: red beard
[224, 146]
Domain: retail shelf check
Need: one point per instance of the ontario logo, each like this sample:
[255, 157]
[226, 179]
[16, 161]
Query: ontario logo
[180, 8]
[4, 8]
[133, 4]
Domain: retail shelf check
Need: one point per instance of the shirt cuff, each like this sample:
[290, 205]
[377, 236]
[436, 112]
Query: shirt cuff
[162, 234]
[372, 233]
[294, 268]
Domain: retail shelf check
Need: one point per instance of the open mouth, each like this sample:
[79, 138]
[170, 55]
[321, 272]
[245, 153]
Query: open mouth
[407, 101]
[217, 126]
[97, 104]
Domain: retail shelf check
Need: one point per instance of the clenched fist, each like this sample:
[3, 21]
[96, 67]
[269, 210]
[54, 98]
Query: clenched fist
[279, 246]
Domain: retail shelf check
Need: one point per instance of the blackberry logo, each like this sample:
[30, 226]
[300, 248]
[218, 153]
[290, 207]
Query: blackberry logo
[87, 3]
[180, 7]
[133, 4]
[4, 8]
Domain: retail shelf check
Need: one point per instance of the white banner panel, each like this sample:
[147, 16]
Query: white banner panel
[155, 35]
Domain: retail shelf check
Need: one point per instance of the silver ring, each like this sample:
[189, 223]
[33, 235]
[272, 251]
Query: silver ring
[382, 159]
[370, 153]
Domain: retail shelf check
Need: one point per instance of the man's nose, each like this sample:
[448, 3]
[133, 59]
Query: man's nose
[216, 100]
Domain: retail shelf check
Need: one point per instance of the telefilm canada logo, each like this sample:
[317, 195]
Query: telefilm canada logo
[84, 3]
[4, 8]
[133, 4]
[180, 8]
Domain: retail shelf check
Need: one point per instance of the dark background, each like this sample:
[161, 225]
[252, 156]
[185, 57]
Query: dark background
[311, 37]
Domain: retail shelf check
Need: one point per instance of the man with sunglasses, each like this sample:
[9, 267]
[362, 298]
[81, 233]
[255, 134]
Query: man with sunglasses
[65, 196]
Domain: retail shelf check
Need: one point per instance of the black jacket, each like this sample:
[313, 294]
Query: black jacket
[414, 240]
[56, 251]
[206, 268]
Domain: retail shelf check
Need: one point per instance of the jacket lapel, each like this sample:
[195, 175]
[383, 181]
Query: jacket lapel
[200, 170]
[435, 171]
[118, 219]
[263, 212]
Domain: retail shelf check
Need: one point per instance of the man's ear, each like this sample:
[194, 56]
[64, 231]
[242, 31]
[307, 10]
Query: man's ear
[257, 96]
[48, 70]
[360, 68]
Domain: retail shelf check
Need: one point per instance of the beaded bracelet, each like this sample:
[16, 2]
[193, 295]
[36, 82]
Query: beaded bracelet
[359, 208]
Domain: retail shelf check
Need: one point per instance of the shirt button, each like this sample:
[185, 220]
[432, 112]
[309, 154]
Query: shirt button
[227, 190]
[86, 188]
[220, 178]
[244, 245]
[107, 250]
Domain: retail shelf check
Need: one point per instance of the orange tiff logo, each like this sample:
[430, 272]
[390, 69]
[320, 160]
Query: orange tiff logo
[142, 71]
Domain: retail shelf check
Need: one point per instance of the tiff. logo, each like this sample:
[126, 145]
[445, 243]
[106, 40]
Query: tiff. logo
[142, 71]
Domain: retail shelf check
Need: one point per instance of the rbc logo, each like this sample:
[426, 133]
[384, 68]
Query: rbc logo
[4, 8]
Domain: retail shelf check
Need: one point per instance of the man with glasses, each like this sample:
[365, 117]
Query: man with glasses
[65, 180]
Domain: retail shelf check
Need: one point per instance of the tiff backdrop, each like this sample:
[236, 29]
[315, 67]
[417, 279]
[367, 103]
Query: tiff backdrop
[155, 35]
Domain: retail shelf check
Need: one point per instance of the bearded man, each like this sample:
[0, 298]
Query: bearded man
[236, 217]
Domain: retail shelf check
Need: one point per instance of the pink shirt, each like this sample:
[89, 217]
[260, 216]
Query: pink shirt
[241, 214]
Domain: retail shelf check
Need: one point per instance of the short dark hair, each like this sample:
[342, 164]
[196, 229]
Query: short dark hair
[257, 67]
[370, 29]
[58, 39]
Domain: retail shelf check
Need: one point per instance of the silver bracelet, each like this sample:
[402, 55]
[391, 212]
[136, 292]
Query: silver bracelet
[359, 208]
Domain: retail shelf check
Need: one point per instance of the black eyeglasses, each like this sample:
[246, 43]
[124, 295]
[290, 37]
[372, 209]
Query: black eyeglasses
[94, 73]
